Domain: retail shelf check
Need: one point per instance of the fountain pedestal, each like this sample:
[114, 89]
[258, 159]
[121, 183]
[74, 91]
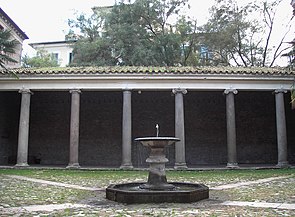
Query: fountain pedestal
[157, 174]
[157, 189]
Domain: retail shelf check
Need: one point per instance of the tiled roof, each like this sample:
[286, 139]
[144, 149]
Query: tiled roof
[126, 70]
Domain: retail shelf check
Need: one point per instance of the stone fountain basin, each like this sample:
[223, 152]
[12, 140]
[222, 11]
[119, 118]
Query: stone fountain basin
[131, 193]
[156, 142]
[157, 189]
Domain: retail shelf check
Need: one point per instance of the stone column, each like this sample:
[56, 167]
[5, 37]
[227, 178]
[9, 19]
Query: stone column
[231, 128]
[281, 129]
[180, 162]
[126, 131]
[23, 132]
[74, 129]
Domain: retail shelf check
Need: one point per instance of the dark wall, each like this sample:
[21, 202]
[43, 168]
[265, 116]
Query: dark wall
[205, 127]
[49, 128]
[9, 116]
[290, 119]
[100, 129]
[256, 127]
[148, 109]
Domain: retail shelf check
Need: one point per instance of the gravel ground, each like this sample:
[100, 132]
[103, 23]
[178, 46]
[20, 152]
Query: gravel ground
[15, 194]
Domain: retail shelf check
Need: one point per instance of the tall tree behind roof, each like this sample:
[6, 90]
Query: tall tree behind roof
[7, 48]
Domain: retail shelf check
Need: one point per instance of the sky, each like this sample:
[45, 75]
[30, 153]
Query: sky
[46, 20]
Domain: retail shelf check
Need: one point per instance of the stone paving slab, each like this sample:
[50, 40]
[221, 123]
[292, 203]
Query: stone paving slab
[54, 183]
[240, 184]
[55, 207]
[49, 207]
[260, 204]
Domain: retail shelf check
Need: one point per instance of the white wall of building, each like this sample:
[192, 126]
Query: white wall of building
[62, 49]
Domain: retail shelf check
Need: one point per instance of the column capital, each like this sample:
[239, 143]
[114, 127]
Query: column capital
[127, 90]
[75, 91]
[231, 90]
[281, 90]
[179, 90]
[25, 90]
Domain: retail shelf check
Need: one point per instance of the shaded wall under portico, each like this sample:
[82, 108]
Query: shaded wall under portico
[256, 127]
[9, 120]
[148, 109]
[205, 127]
[49, 127]
[101, 130]
[290, 121]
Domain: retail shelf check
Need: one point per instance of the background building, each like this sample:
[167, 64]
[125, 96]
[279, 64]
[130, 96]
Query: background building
[6, 23]
[60, 51]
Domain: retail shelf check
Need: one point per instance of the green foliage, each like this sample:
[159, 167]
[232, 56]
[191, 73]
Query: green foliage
[7, 48]
[88, 27]
[154, 32]
[186, 31]
[92, 52]
[42, 59]
[291, 56]
[138, 34]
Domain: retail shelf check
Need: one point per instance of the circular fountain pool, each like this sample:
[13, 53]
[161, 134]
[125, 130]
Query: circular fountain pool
[157, 189]
[131, 193]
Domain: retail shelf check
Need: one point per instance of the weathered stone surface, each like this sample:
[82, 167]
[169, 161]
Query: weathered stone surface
[184, 193]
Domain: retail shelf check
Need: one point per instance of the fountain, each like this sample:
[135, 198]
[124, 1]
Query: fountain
[157, 189]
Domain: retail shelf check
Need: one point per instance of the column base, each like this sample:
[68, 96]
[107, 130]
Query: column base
[126, 166]
[21, 165]
[180, 166]
[73, 166]
[232, 165]
[283, 164]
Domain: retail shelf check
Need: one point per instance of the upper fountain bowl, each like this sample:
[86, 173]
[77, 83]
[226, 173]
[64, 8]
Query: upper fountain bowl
[157, 142]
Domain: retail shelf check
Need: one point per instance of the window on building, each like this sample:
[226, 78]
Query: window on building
[54, 57]
[1, 27]
[70, 57]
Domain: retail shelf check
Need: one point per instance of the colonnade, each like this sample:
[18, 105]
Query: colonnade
[180, 162]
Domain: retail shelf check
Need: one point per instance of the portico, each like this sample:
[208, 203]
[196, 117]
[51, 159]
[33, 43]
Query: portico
[103, 113]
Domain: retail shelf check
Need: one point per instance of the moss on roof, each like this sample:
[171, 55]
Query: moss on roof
[152, 70]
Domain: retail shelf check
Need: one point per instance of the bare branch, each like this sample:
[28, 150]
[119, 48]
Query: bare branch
[277, 53]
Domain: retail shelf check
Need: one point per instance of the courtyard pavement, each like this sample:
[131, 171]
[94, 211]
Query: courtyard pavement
[101, 207]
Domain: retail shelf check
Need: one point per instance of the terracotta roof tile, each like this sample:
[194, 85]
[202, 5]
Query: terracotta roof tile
[133, 70]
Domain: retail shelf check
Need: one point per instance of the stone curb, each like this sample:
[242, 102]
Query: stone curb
[49, 207]
[260, 204]
[54, 183]
[240, 184]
